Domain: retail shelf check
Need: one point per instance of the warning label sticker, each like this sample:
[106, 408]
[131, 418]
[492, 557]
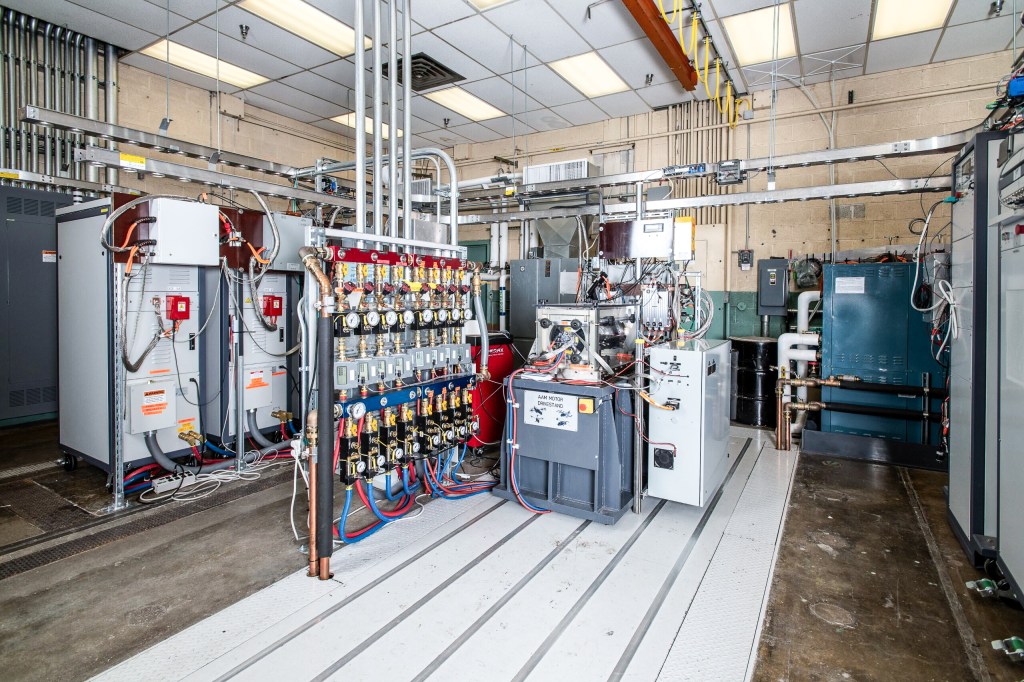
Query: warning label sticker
[133, 161]
[550, 410]
[849, 285]
[49, 256]
[257, 379]
[154, 402]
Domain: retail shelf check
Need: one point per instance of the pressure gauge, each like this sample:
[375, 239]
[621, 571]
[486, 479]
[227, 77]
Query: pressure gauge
[468, 312]
[408, 316]
[391, 318]
[462, 430]
[435, 439]
[456, 314]
[399, 453]
[352, 320]
[380, 461]
[427, 316]
[360, 466]
[442, 315]
[373, 318]
[415, 448]
[357, 410]
[449, 435]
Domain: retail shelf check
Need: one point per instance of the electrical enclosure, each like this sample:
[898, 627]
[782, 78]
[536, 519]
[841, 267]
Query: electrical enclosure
[772, 286]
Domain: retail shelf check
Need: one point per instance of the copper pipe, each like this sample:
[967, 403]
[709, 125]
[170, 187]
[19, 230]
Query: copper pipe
[311, 437]
[325, 568]
[311, 259]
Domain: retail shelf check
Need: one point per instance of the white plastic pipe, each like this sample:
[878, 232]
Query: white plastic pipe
[494, 258]
[502, 245]
[789, 351]
[803, 309]
[502, 281]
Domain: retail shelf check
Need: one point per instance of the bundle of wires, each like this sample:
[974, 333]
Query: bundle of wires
[364, 489]
[440, 479]
[206, 483]
[944, 307]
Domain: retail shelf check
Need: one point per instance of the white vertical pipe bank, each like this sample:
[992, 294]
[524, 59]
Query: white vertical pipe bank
[407, 231]
[110, 90]
[360, 106]
[393, 117]
[378, 113]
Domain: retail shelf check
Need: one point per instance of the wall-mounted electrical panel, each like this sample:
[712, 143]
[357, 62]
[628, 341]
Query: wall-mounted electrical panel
[687, 452]
[772, 286]
[663, 238]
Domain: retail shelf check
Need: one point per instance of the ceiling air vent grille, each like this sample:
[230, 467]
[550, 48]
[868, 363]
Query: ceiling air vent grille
[427, 73]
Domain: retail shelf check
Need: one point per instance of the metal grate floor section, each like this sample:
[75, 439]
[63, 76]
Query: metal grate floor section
[482, 585]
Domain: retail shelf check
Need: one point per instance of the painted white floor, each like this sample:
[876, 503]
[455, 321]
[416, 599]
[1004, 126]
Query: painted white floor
[482, 589]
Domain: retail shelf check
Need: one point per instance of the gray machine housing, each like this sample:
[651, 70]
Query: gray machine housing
[688, 448]
[571, 460]
[533, 282]
[603, 336]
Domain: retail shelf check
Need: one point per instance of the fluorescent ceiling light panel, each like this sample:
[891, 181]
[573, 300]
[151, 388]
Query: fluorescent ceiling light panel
[487, 4]
[349, 120]
[590, 74]
[464, 103]
[902, 17]
[201, 63]
[752, 35]
[307, 22]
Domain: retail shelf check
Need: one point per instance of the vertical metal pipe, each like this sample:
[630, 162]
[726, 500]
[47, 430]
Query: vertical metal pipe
[360, 30]
[31, 57]
[378, 113]
[47, 96]
[110, 90]
[91, 86]
[74, 99]
[4, 88]
[407, 120]
[20, 44]
[393, 115]
[58, 96]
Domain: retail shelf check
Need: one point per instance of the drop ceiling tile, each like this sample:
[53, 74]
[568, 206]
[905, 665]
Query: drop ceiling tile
[86, 21]
[474, 132]
[269, 38]
[901, 52]
[545, 86]
[839, 61]
[635, 60]
[759, 76]
[621, 104]
[967, 11]
[431, 111]
[144, 15]
[847, 22]
[536, 25]
[580, 113]
[421, 126]
[334, 127]
[315, 84]
[204, 39]
[546, 119]
[504, 126]
[499, 93]
[159, 68]
[724, 8]
[451, 57]
[665, 94]
[192, 9]
[605, 24]
[301, 100]
[967, 40]
[433, 13]
[483, 41]
[444, 138]
[419, 142]
[261, 102]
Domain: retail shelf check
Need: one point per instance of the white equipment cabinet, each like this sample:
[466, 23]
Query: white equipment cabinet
[687, 456]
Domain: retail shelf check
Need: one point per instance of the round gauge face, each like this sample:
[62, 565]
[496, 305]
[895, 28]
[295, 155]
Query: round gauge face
[415, 447]
[462, 430]
[428, 315]
[380, 460]
[435, 439]
[352, 320]
[391, 318]
[456, 315]
[408, 316]
[360, 466]
[399, 453]
[442, 315]
[357, 410]
[468, 313]
[373, 318]
[476, 425]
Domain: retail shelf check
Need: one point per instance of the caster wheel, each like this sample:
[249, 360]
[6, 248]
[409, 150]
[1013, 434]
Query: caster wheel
[70, 462]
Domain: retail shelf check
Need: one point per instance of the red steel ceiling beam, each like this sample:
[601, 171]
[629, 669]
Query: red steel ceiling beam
[664, 40]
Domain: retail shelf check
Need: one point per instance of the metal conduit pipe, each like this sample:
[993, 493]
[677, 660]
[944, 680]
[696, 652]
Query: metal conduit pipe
[378, 105]
[407, 120]
[110, 75]
[91, 86]
[5, 88]
[47, 97]
[393, 116]
[58, 96]
[19, 54]
[75, 100]
[31, 57]
[360, 162]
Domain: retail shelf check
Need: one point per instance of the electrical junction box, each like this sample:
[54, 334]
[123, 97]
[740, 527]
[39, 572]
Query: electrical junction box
[687, 453]
[151, 406]
[745, 258]
[258, 391]
[186, 232]
[273, 306]
[176, 308]
[772, 286]
[730, 173]
[662, 238]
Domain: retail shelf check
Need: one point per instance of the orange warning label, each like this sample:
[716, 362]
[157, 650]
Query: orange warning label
[154, 402]
[159, 371]
[256, 380]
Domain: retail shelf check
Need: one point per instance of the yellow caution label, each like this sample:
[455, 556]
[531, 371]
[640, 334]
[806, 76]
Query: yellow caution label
[9, 175]
[133, 161]
[186, 425]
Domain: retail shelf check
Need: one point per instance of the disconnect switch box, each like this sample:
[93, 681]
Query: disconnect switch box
[772, 286]
[177, 308]
[152, 405]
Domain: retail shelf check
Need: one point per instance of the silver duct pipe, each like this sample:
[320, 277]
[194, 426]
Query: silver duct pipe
[360, 30]
[5, 83]
[91, 86]
[407, 120]
[58, 97]
[48, 155]
[20, 45]
[79, 97]
[378, 112]
[393, 116]
[110, 91]
[31, 57]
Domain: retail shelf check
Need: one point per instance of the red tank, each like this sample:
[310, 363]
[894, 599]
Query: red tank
[488, 398]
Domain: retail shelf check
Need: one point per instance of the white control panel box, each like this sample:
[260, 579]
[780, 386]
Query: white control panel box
[687, 456]
[186, 232]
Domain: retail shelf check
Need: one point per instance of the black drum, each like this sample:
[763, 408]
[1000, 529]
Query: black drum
[754, 379]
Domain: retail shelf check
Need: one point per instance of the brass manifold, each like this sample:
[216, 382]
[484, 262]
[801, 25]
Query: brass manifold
[784, 410]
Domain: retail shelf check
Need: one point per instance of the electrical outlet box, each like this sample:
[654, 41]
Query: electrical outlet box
[173, 482]
[185, 232]
[745, 258]
[176, 308]
[273, 306]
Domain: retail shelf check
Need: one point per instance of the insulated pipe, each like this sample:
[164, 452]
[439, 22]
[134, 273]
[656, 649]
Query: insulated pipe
[92, 97]
[254, 430]
[378, 113]
[360, 162]
[393, 116]
[894, 389]
[165, 462]
[502, 245]
[803, 321]
[494, 258]
[325, 446]
[481, 320]
[789, 350]
[407, 120]
[110, 73]
[311, 438]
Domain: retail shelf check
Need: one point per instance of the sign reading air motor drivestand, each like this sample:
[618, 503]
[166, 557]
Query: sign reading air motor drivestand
[551, 410]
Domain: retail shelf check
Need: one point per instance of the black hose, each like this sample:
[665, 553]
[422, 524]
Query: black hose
[325, 438]
[875, 411]
[895, 389]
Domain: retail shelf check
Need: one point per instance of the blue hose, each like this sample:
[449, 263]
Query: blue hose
[512, 483]
[387, 489]
[373, 506]
[219, 449]
[344, 517]
[405, 482]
